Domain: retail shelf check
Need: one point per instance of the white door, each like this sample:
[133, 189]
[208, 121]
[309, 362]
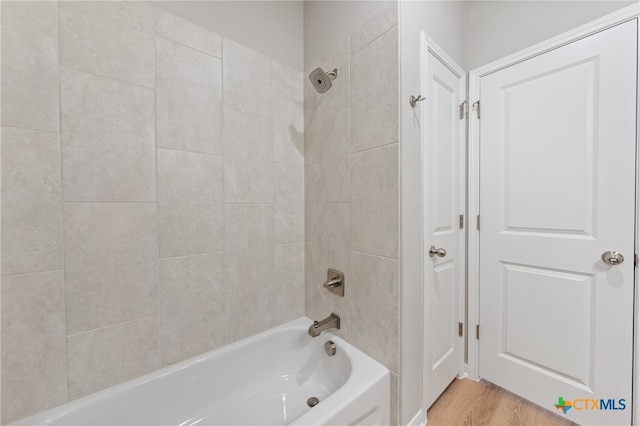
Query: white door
[442, 174]
[557, 185]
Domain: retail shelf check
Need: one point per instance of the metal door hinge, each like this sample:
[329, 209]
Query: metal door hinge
[461, 221]
[460, 328]
[478, 222]
[464, 106]
[478, 332]
[635, 260]
[476, 105]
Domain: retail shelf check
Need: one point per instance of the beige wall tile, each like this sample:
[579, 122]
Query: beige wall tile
[288, 115]
[374, 201]
[108, 356]
[375, 68]
[247, 80]
[289, 282]
[34, 358]
[31, 201]
[248, 314]
[30, 65]
[332, 151]
[374, 27]
[374, 74]
[374, 290]
[189, 98]
[190, 206]
[185, 32]
[248, 256]
[311, 188]
[311, 134]
[34, 303]
[288, 207]
[191, 306]
[108, 139]
[333, 221]
[113, 39]
[374, 124]
[111, 272]
[248, 158]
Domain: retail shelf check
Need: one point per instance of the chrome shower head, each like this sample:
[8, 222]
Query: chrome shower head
[320, 80]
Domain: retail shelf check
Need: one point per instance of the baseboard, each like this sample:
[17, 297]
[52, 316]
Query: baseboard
[417, 420]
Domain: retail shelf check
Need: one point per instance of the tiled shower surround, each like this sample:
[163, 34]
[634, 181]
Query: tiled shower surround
[164, 193]
[152, 184]
[351, 191]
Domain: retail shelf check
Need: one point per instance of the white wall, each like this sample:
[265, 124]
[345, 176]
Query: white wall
[444, 23]
[327, 23]
[273, 28]
[494, 29]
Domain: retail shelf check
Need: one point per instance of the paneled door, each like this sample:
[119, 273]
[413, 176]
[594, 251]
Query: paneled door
[557, 185]
[443, 165]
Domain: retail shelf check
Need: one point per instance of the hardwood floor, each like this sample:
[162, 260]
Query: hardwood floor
[471, 403]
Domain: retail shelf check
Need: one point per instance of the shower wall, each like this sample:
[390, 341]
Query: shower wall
[152, 196]
[351, 189]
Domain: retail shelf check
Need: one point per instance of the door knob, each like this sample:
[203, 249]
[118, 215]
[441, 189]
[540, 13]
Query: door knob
[440, 252]
[612, 257]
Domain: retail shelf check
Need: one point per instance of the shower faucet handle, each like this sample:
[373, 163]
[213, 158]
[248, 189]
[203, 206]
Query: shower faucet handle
[335, 282]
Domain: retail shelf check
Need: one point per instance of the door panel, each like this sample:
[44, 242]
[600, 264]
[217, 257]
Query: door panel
[443, 205]
[535, 157]
[557, 185]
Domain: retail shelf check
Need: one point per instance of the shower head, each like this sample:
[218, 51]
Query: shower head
[320, 80]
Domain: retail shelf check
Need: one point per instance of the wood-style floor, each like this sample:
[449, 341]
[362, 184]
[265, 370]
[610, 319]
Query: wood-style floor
[471, 403]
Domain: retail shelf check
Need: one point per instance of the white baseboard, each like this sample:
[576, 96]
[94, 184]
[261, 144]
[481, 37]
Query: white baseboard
[417, 420]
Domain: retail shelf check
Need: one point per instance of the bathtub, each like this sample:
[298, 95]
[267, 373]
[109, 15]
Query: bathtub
[262, 380]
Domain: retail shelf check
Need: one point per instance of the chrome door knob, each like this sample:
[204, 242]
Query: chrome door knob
[440, 252]
[612, 257]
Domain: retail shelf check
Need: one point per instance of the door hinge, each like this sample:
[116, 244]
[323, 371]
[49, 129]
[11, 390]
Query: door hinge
[476, 105]
[464, 109]
[635, 260]
[478, 331]
[478, 222]
[461, 221]
[460, 328]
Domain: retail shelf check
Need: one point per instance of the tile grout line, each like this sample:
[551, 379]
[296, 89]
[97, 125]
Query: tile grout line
[190, 255]
[275, 171]
[118, 324]
[23, 274]
[107, 202]
[386, 145]
[157, 203]
[395, 24]
[194, 49]
[62, 203]
[107, 77]
[224, 209]
[168, 148]
[351, 298]
[8, 126]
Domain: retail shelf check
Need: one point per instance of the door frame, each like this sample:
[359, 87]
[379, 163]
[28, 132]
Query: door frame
[628, 13]
[427, 45]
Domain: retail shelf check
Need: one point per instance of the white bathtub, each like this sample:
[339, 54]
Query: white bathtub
[263, 380]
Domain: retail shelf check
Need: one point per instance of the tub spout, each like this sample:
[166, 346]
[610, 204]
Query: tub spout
[319, 327]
